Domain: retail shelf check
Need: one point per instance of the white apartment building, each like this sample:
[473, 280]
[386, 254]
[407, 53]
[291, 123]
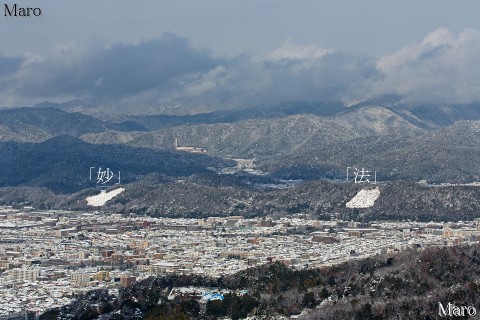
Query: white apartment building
[80, 278]
[24, 274]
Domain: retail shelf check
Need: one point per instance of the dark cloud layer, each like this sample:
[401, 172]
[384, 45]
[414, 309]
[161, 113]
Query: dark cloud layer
[9, 65]
[168, 71]
[94, 69]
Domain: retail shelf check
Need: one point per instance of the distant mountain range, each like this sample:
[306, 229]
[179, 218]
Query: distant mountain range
[47, 147]
[429, 116]
[308, 146]
[36, 125]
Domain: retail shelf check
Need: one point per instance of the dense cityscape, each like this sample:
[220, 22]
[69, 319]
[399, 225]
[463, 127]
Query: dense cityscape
[50, 257]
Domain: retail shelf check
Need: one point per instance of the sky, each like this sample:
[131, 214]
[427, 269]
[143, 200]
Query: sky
[228, 53]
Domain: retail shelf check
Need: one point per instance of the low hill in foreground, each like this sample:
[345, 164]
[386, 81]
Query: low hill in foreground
[204, 195]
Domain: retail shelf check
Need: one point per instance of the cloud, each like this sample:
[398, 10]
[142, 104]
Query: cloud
[440, 69]
[296, 75]
[9, 65]
[169, 71]
[290, 51]
[112, 71]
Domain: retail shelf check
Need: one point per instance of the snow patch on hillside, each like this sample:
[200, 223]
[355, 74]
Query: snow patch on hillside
[364, 199]
[102, 198]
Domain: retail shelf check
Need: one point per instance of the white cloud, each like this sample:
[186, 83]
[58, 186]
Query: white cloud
[440, 69]
[293, 52]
